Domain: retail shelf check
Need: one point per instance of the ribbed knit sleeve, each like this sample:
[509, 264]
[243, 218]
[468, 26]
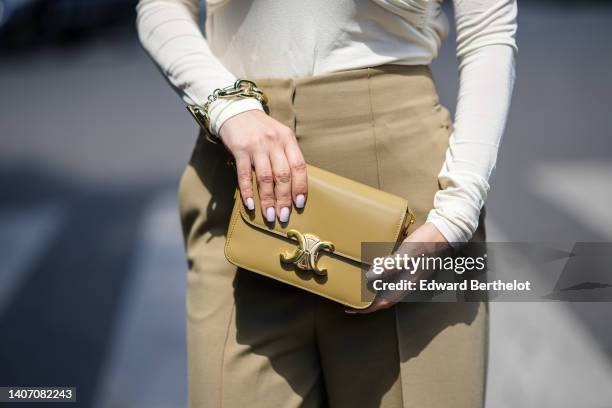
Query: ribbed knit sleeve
[486, 49]
[169, 32]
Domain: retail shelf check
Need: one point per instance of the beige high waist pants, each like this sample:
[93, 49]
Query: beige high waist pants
[254, 342]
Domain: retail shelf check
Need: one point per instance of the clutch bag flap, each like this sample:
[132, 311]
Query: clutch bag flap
[319, 249]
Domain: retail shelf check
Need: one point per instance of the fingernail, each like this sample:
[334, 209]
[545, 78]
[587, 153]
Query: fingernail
[250, 203]
[371, 275]
[300, 200]
[270, 215]
[284, 214]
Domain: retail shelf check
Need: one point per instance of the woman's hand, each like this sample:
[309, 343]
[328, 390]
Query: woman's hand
[426, 238]
[258, 141]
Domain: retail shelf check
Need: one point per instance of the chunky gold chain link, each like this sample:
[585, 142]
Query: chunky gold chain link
[242, 88]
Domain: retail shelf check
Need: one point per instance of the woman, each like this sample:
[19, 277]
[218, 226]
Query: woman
[349, 91]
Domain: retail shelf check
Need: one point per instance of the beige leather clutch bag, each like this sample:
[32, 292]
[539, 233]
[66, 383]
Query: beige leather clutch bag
[319, 249]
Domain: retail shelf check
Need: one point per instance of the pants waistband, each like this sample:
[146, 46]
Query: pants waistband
[349, 95]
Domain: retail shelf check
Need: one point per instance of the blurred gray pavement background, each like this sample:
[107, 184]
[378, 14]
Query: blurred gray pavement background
[92, 275]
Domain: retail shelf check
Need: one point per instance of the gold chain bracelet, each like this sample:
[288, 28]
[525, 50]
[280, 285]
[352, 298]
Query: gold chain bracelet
[241, 89]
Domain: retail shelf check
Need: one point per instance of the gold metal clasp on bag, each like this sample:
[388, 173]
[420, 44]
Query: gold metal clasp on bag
[306, 255]
[408, 221]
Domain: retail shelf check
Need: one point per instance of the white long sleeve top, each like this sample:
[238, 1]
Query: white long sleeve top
[296, 38]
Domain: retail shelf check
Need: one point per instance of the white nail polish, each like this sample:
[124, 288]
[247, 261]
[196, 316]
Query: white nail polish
[300, 200]
[250, 204]
[284, 214]
[270, 215]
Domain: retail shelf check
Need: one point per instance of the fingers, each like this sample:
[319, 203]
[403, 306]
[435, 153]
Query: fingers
[265, 186]
[282, 183]
[375, 306]
[383, 299]
[299, 179]
[260, 142]
[245, 179]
